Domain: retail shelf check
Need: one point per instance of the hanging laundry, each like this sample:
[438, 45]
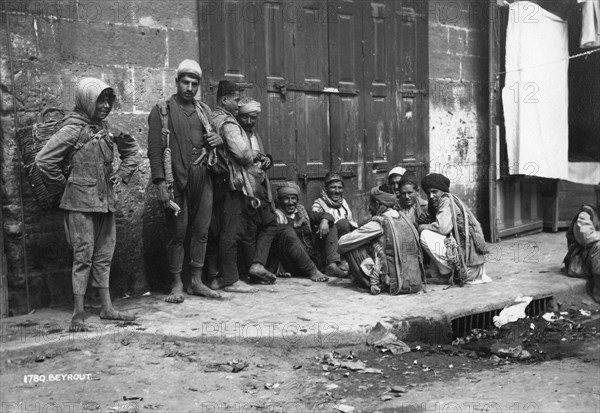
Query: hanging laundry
[590, 24]
[535, 95]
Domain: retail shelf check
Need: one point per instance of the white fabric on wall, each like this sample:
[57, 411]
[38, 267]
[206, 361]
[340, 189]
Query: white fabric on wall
[535, 97]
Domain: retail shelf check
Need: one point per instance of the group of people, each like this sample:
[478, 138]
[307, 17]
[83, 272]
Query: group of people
[210, 168]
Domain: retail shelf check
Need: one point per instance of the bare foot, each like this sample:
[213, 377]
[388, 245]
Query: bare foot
[176, 294]
[78, 323]
[333, 270]
[318, 276]
[215, 284]
[202, 290]
[112, 314]
[259, 271]
[240, 287]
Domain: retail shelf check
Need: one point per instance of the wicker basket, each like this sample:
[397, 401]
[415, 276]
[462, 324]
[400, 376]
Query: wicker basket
[31, 139]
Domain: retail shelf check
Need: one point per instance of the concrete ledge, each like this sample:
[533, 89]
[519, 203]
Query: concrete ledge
[301, 313]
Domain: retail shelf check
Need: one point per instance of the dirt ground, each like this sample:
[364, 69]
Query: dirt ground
[556, 368]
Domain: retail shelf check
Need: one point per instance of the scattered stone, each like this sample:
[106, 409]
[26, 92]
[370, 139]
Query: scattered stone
[399, 389]
[331, 386]
[353, 365]
[380, 336]
[297, 366]
[370, 370]
[525, 355]
[40, 358]
[344, 408]
[386, 397]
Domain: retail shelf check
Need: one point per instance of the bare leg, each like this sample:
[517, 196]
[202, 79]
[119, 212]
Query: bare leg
[78, 319]
[108, 312]
[176, 294]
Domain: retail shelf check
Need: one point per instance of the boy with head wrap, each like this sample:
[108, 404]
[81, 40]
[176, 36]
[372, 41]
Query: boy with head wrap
[293, 246]
[89, 197]
[453, 238]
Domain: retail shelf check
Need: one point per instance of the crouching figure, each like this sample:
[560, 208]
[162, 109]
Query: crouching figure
[453, 238]
[384, 254]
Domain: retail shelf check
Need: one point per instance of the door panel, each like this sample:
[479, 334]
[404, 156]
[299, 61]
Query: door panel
[341, 83]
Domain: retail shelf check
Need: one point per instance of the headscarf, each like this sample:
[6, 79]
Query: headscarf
[249, 105]
[87, 92]
[380, 201]
[435, 181]
[288, 188]
[398, 170]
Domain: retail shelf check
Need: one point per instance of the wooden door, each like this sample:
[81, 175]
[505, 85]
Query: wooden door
[341, 82]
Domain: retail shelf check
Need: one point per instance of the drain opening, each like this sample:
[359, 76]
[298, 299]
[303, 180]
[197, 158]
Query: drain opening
[463, 325]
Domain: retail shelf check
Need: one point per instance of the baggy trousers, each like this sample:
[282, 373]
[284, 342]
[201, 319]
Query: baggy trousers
[291, 253]
[92, 238]
[196, 203]
[330, 242]
[260, 227]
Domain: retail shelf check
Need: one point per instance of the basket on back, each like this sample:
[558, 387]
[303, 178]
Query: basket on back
[31, 139]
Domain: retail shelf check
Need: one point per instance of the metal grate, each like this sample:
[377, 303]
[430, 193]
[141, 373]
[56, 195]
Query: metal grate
[463, 325]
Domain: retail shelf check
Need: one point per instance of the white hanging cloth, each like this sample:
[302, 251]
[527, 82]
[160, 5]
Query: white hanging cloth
[590, 23]
[535, 97]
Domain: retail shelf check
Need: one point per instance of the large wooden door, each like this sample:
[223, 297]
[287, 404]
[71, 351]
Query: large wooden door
[341, 82]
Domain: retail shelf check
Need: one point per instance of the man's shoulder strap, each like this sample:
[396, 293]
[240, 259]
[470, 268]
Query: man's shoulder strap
[163, 111]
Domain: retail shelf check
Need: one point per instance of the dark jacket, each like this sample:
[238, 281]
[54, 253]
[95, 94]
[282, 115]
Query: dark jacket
[180, 144]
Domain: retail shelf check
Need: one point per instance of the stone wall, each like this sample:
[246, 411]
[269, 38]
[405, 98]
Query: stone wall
[134, 46]
[459, 103]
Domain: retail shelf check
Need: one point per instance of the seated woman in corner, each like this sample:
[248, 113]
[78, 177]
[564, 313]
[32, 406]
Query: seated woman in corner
[583, 242]
[331, 218]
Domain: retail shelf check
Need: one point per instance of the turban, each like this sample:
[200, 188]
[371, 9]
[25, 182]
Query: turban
[249, 105]
[398, 170]
[333, 176]
[189, 67]
[382, 198]
[436, 181]
[288, 188]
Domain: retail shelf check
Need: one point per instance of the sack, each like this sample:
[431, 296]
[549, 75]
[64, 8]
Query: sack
[31, 139]
[217, 162]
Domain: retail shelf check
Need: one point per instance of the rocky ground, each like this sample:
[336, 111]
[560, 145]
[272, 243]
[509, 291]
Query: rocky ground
[534, 364]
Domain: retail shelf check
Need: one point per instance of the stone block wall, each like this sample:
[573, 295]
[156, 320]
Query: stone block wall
[458, 96]
[135, 47]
